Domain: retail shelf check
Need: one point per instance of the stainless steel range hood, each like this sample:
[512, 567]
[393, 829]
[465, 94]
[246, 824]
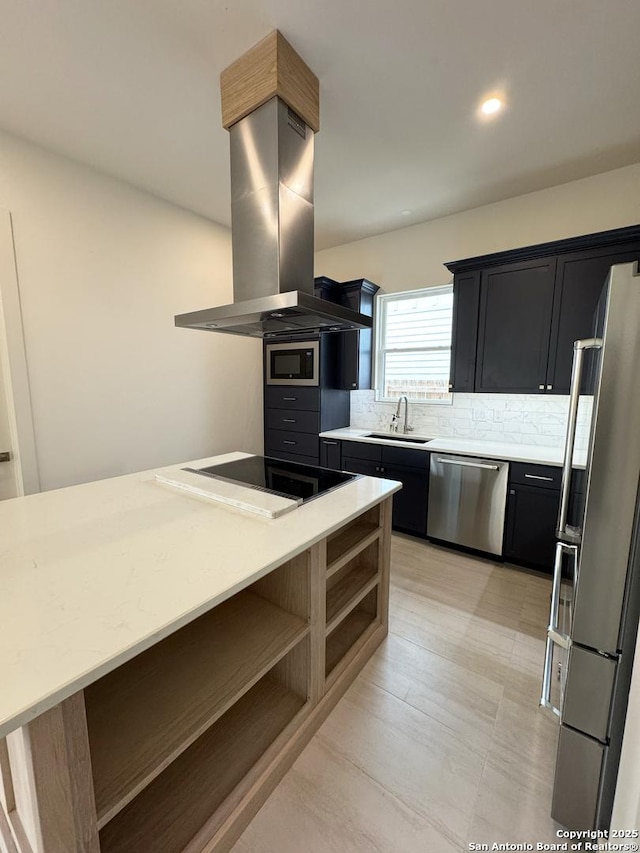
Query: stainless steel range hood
[272, 151]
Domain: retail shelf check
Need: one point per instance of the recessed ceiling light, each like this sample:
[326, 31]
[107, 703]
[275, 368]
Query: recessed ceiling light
[406, 212]
[491, 106]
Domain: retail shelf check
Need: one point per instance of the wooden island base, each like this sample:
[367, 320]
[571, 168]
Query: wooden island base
[176, 750]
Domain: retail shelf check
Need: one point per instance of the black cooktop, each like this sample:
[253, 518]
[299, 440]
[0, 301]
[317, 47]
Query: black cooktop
[290, 479]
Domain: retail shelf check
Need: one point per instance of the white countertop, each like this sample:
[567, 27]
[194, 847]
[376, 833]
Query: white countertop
[464, 446]
[91, 575]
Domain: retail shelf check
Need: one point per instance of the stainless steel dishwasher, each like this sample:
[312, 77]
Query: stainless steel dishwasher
[467, 499]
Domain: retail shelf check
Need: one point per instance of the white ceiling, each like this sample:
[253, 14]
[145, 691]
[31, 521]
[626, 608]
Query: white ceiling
[131, 87]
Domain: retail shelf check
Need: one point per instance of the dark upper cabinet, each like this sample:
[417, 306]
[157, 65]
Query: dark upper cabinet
[327, 288]
[464, 335]
[516, 303]
[516, 314]
[580, 278]
[355, 349]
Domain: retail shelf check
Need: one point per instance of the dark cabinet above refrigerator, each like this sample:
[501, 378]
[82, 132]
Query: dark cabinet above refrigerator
[516, 314]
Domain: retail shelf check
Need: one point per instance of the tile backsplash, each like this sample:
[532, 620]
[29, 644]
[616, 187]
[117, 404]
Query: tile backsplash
[538, 419]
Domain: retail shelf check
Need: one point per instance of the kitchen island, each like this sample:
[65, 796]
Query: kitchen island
[164, 659]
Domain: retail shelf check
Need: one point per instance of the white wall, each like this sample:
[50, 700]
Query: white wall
[413, 257]
[102, 270]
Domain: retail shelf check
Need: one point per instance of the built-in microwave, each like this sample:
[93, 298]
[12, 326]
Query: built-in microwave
[296, 363]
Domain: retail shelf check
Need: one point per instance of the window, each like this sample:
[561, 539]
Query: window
[413, 350]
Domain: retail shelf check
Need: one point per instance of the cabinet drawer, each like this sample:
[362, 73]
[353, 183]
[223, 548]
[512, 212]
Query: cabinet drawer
[361, 466]
[360, 450]
[405, 456]
[292, 397]
[291, 442]
[294, 457]
[544, 476]
[294, 421]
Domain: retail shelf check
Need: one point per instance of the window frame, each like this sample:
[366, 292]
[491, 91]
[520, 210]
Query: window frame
[383, 299]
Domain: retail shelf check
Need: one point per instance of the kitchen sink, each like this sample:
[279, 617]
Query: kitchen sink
[392, 437]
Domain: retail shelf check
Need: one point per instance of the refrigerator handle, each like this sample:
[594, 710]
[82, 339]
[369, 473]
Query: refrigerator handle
[574, 397]
[556, 637]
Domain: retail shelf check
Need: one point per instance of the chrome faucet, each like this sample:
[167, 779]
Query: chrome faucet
[396, 417]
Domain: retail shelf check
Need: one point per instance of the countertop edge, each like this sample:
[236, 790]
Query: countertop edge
[446, 445]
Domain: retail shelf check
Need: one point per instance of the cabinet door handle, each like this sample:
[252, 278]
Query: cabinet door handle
[326, 441]
[289, 442]
[538, 477]
[288, 420]
[549, 387]
[290, 399]
[541, 387]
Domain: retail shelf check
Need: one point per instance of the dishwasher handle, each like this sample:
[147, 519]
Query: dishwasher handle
[485, 465]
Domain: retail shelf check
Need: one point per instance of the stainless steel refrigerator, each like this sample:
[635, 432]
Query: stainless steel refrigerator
[595, 598]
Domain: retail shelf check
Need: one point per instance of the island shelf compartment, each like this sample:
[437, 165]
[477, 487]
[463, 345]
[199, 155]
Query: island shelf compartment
[346, 639]
[143, 715]
[188, 803]
[346, 543]
[349, 585]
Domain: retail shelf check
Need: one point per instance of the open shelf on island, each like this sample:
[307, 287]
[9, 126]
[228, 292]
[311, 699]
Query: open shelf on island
[166, 816]
[350, 584]
[142, 716]
[344, 545]
[346, 634]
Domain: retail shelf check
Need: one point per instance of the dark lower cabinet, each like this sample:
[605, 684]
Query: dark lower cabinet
[533, 496]
[362, 466]
[330, 455]
[410, 467]
[294, 415]
[300, 458]
[530, 528]
[305, 444]
[410, 503]
[533, 500]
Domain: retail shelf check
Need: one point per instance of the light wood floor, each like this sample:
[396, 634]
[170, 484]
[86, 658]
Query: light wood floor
[440, 741]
